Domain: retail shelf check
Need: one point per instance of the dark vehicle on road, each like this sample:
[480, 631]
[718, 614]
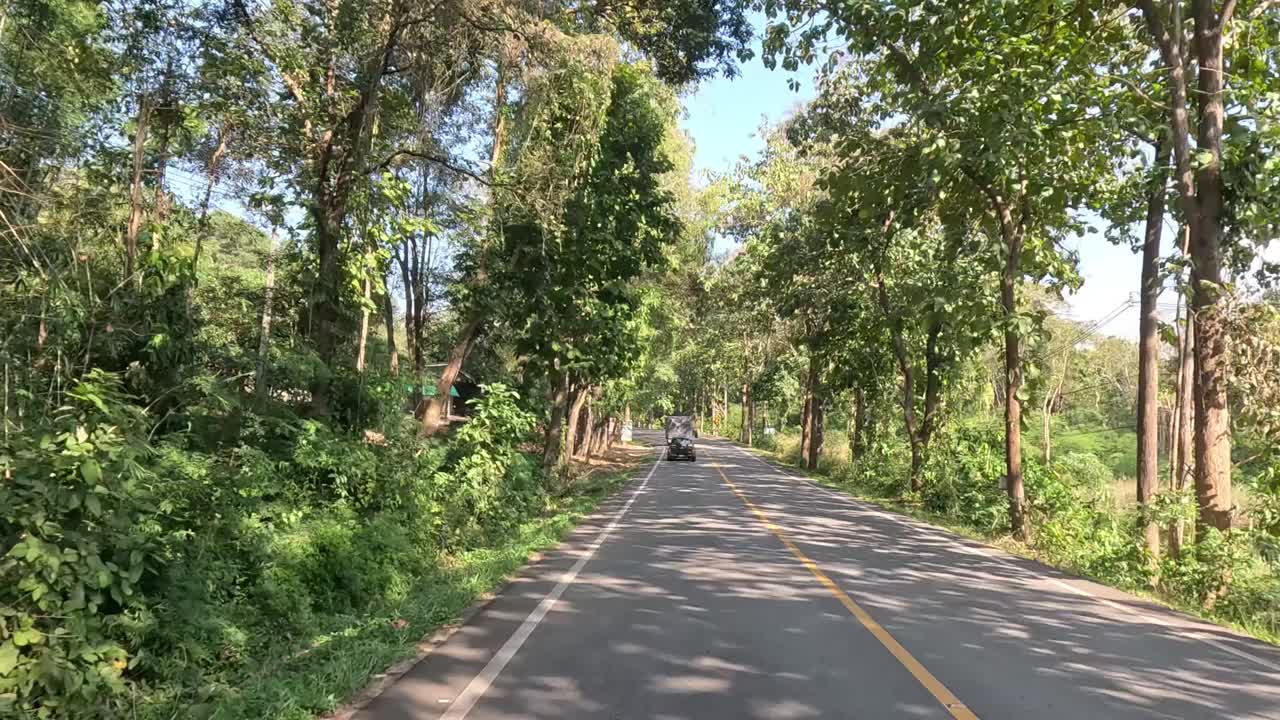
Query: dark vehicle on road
[680, 435]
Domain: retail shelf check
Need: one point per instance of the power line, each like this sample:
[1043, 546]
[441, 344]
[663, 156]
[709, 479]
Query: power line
[1089, 330]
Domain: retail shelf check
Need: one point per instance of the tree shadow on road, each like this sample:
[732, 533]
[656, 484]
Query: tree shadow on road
[692, 609]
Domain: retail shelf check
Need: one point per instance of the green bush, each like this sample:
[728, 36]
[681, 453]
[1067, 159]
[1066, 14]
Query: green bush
[962, 478]
[336, 562]
[768, 443]
[1217, 565]
[1088, 476]
[487, 483]
[77, 528]
[881, 469]
[1254, 600]
[1074, 524]
[284, 597]
[180, 565]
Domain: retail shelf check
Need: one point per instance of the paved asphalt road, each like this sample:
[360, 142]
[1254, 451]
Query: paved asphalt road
[728, 589]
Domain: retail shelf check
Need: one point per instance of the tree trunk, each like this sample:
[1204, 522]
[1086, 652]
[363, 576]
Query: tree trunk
[134, 227]
[415, 274]
[1200, 194]
[160, 201]
[1186, 409]
[1013, 377]
[402, 256]
[339, 165]
[595, 437]
[211, 179]
[856, 439]
[1149, 353]
[580, 397]
[806, 437]
[1046, 425]
[324, 305]
[470, 331]
[1051, 398]
[812, 432]
[934, 364]
[389, 316]
[363, 340]
[1213, 421]
[932, 402]
[702, 408]
[582, 446]
[590, 438]
[422, 304]
[917, 463]
[745, 434]
[431, 415]
[1046, 422]
[907, 371]
[816, 432]
[264, 338]
[595, 409]
[553, 439]
[1182, 462]
[751, 423]
[724, 411]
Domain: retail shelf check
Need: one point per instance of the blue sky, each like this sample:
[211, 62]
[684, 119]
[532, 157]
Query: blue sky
[723, 118]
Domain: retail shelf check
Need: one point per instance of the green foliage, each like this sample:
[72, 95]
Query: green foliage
[687, 41]
[1078, 527]
[570, 273]
[200, 479]
[962, 478]
[1082, 478]
[1222, 571]
[182, 566]
[78, 529]
[335, 562]
[190, 501]
[488, 482]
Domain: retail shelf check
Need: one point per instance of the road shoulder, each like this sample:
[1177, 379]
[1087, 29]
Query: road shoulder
[602, 482]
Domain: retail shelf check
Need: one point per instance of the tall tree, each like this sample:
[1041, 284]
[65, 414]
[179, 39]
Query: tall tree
[335, 76]
[1024, 147]
[1149, 350]
[1201, 178]
[685, 43]
[577, 276]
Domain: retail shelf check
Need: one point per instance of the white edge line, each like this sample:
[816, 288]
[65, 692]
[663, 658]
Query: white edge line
[480, 684]
[932, 532]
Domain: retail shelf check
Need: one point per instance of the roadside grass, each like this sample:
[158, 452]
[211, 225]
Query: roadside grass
[831, 474]
[298, 683]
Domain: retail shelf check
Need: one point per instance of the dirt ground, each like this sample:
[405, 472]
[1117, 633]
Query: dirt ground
[620, 457]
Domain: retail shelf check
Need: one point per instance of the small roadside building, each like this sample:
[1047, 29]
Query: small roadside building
[464, 389]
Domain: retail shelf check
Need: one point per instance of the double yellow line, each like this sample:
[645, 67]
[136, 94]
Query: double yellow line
[913, 666]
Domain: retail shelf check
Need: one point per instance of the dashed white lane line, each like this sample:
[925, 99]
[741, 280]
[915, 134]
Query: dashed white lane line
[933, 534]
[480, 684]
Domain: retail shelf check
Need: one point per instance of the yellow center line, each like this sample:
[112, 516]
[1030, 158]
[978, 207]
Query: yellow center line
[913, 666]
